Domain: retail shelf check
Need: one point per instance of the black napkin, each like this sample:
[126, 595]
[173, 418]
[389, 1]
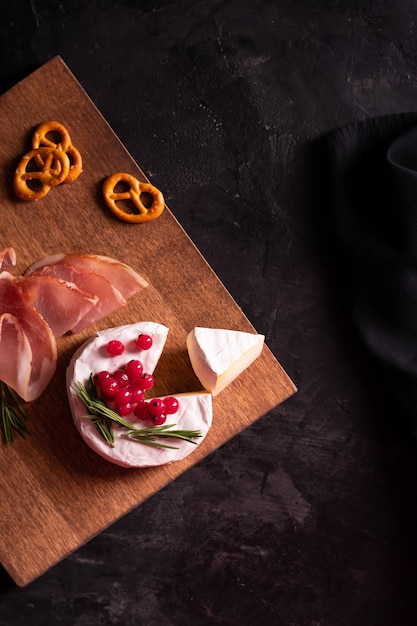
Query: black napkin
[370, 179]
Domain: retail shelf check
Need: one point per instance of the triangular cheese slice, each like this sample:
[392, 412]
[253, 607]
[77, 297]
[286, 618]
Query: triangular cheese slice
[218, 356]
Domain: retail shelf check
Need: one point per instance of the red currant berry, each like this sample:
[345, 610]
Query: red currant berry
[100, 376]
[109, 386]
[115, 347]
[171, 405]
[146, 381]
[137, 394]
[121, 377]
[134, 369]
[141, 411]
[156, 406]
[123, 396]
[159, 419]
[124, 409]
[144, 342]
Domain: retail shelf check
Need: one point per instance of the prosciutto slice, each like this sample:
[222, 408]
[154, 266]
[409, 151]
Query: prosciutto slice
[7, 259]
[15, 370]
[28, 351]
[104, 278]
[61, 303]
[127, 281]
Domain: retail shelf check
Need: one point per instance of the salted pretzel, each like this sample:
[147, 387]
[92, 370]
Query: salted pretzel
[31, 181]
[141, 212]
[45, 135]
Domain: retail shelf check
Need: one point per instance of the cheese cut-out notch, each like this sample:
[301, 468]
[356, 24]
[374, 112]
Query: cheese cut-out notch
[218, 356]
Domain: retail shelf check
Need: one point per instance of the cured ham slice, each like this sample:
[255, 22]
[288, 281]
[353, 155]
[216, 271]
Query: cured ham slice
[104, 278]
[28, 352]
[61, 304]
[109, 298]
[7, 259]
[128, 281]
[16, 368]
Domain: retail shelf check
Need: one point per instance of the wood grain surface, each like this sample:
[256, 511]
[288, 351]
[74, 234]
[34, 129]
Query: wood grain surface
[56, 493]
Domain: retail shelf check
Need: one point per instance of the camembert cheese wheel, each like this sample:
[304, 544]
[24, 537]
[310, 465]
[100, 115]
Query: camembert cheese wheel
[195, 409]
[219, 356]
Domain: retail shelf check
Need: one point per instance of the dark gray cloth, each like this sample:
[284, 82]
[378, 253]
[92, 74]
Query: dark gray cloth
[371, 185]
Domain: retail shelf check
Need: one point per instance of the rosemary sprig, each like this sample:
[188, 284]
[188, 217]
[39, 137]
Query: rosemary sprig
[13, 415]
[97, 410]
[148, 435]
[103, 419]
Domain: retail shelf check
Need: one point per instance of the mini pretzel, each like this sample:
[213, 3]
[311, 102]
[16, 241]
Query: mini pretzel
[40, 139]
[54, 169]
[133, 194]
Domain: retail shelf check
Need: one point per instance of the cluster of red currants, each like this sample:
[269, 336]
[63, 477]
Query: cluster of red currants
[124, 389]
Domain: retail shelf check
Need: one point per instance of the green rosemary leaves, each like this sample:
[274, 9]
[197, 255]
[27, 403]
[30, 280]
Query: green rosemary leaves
[104, 418]
[13, 415]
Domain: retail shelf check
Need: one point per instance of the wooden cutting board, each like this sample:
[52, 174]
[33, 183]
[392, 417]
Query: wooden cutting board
[56, 493]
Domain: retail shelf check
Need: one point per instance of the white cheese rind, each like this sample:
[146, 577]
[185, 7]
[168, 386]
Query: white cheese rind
[218, 356]
[195, 409]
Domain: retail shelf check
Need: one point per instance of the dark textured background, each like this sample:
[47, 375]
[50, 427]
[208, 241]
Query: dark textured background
[308, 518]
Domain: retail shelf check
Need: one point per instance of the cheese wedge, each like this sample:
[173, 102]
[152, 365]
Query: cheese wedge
[195, 409]
[219, 356]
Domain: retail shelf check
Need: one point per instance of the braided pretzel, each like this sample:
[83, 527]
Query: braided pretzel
[133, 194]
[42, 138]
[55, 166]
